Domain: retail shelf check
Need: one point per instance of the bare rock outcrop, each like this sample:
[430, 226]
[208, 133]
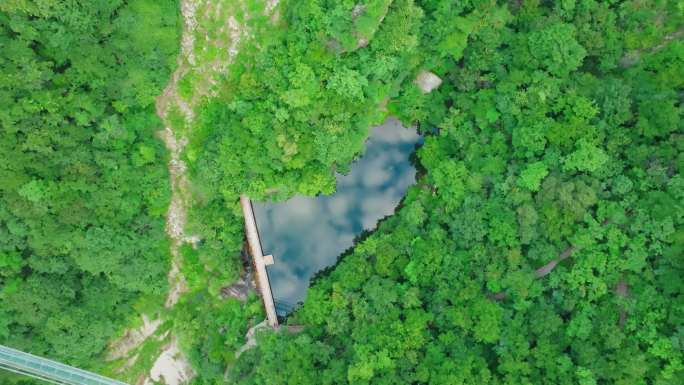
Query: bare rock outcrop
[239, 290]
[427, 81]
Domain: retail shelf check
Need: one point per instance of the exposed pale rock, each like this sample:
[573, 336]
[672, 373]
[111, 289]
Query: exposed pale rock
[251, 337]
[239, 290]
[171, 368]
[427, 81]
[358, 10]
[132, 339]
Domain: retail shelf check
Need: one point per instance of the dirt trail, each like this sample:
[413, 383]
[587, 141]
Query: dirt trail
[132, 339]
[209, 26]
[197, 14]
[171, 366]
[633, 57]
[176, 214]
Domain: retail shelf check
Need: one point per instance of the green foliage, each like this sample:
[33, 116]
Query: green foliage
[84, 188]
[532, 175]
[211, 329]
[295, 107]
[585, 158]
[542, 244]
[555, 49]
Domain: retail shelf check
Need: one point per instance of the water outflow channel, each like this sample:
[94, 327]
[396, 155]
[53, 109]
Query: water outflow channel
[308, 234]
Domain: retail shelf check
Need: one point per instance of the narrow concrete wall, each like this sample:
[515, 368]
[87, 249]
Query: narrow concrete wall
[259, 261]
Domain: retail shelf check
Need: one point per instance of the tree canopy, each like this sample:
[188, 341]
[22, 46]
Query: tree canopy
[84, 185]
[543, 242]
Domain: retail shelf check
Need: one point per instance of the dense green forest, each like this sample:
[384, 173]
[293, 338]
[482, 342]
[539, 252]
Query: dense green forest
[543, 243]
[84, 186]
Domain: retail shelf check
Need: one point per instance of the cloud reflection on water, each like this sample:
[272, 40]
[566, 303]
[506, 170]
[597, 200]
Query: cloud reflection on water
[307, 234]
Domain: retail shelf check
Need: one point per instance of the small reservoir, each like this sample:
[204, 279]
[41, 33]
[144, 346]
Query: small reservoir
[308, 234]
